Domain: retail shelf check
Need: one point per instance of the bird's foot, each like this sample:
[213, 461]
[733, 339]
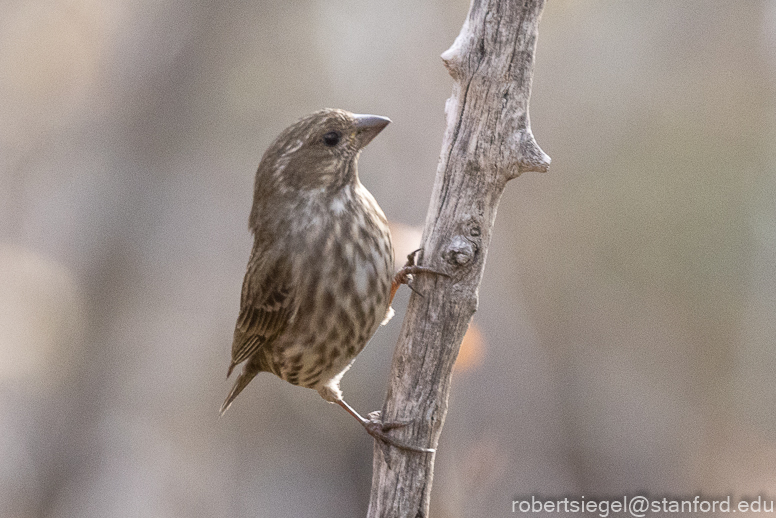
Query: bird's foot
[405, 273]
[377, 428]
[377, 417]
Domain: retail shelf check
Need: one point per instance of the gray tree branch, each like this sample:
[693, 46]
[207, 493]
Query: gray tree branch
[488, 142]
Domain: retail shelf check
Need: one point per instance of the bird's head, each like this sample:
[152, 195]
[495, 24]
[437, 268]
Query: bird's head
[319, 151]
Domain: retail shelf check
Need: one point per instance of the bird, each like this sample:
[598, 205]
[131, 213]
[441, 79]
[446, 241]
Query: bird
[320, 277]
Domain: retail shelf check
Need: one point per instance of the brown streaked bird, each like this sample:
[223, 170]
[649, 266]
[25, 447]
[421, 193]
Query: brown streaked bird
[320, 278]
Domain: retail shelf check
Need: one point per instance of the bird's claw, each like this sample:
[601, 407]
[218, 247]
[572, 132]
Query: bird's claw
[377, 417]
[405, 273]
[410, 268]
[376, 428]
[412, 256]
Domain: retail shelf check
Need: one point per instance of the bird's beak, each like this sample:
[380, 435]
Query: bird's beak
[368, 126]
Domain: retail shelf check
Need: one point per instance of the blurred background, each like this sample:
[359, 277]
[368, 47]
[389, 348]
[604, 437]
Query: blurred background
[625, 336]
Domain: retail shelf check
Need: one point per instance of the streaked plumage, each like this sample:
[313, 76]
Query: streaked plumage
[319, 277]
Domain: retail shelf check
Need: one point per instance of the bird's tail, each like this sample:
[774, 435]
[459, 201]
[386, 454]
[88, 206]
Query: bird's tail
[242, 380]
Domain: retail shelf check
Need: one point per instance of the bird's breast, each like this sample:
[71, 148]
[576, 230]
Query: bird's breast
[342, 267]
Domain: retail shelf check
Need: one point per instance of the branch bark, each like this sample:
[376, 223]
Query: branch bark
[488, 142]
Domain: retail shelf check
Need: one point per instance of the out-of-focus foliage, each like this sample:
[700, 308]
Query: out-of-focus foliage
[625, 334]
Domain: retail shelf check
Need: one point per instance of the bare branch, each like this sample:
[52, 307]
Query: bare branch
[488, 142]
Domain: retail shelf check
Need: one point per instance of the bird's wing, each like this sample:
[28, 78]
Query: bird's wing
[266, 309]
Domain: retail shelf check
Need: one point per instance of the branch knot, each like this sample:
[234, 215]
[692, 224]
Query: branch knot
[459, 252]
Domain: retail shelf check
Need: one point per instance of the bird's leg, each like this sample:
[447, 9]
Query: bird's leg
[405, 273]
[374, 426]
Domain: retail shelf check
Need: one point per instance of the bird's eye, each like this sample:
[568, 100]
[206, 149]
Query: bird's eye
[332, 138]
